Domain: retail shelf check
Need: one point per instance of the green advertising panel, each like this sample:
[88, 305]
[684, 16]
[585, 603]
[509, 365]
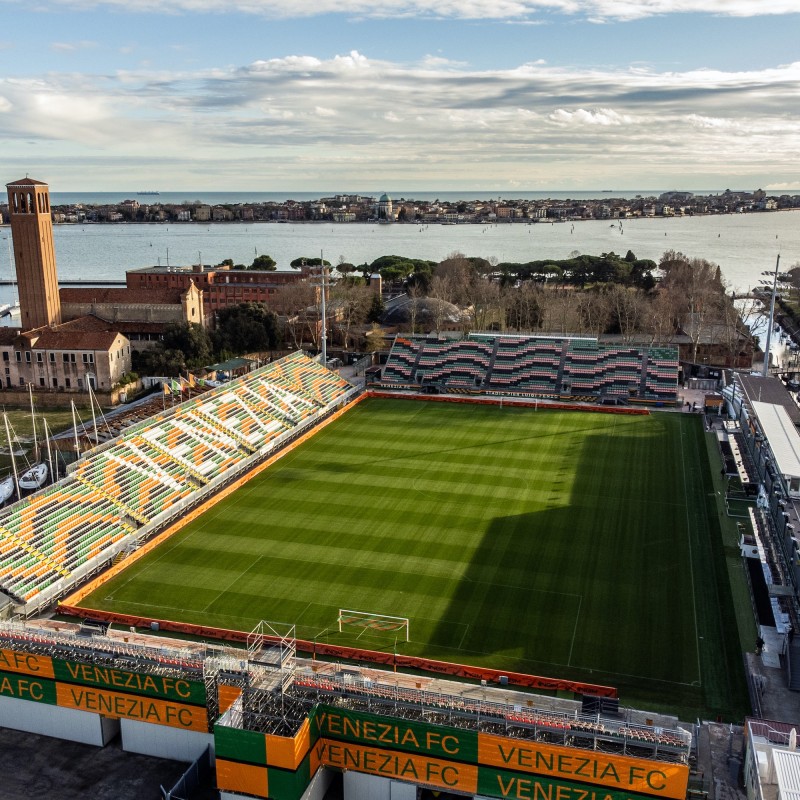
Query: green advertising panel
[288, 785]
[239, 745]
[398, 734]
[493, 782]
[26, 687]
[162, 686]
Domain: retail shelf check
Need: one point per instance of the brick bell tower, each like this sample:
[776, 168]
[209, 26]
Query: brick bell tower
[34, 253]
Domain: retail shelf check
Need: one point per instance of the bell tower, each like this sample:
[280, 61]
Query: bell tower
[34, 253]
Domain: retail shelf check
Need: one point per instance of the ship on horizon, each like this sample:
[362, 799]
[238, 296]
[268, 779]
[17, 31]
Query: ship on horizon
[148, 193]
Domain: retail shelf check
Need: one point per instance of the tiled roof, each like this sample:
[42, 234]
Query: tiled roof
[75, 340]
[150, 297]
[26, 182]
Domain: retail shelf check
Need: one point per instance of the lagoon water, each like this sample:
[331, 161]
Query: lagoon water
[744, 245]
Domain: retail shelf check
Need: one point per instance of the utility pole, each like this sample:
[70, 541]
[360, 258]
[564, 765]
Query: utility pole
[765, 372]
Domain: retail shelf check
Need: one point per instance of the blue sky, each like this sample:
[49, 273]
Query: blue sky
[280, 95]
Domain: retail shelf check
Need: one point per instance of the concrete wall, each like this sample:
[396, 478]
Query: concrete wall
[162, 741]
[358, 786]
[60, 723]
[320, 784]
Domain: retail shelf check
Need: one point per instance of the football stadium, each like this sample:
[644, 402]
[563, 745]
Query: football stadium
[522, 515]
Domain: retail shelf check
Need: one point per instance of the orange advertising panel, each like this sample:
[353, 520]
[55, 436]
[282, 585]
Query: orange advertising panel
[128, 706]
[287, 752]
[26, 663]
[448, 775]
[618, 772]
[227, 697]
[244, 778]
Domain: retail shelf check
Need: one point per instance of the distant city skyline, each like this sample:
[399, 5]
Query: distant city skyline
[453, 95]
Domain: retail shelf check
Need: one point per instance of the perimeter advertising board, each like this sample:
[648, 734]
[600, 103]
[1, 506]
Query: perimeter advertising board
[158, 699]
[439, 757]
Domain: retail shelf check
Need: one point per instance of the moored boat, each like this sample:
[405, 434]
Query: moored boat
[33, 478]
[6, 488]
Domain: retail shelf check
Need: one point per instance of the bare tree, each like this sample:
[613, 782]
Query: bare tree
[660, 318]
[349, 305]
[483, 297]
[626, 310]
[415, 294]
[593, 312]
[695, 287]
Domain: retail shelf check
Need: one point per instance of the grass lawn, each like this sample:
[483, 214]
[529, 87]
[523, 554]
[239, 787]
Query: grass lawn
[21, 428]
[567, 544]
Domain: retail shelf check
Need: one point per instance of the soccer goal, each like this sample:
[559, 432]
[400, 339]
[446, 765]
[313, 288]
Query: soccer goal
[375, 622]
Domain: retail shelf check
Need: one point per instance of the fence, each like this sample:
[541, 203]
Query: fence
[196, 777]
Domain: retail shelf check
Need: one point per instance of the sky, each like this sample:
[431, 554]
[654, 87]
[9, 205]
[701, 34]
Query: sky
[450, 95]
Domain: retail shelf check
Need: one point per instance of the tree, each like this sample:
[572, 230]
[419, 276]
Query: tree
[695, 287]
[415, 295]
[523, 307]
[299, 263]
[192, 341]
[626, 311]
[349, 305]
[245, 328]
[264, 264]
[376, 309]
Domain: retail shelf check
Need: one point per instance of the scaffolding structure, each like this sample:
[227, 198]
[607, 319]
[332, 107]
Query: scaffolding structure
[275, 695]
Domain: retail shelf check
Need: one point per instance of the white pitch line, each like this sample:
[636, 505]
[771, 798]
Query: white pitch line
[691, 563]
[575, 629]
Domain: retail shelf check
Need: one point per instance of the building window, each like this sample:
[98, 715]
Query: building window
[8, 371]
[28, 356]
[18, 355]
[22, 381]
[55, 383]
[52, 358]
[80, 383]
[88, 358]
[41, 381]
[69, 358]
[67, 383]
[5, 355]
[40, 357]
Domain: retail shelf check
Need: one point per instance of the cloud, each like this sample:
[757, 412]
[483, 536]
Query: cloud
[523, 11]
[603, 116]
[353, 120]
[72, 47]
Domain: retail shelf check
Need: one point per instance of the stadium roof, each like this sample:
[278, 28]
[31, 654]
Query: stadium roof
[787, 772]
[768, 390]
[231, 364]
[784, 440]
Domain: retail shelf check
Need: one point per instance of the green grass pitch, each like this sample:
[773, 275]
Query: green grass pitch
[575, 545]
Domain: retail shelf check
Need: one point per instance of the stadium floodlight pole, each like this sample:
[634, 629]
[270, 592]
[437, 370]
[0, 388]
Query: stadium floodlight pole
[324, 320]
[765, 371]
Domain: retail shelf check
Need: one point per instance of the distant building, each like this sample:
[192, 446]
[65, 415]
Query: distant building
[385, 208]
[142, 315]
[220, 286]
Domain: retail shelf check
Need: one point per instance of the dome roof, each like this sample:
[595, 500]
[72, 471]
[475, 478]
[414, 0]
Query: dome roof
[384, 198]
[398, 311]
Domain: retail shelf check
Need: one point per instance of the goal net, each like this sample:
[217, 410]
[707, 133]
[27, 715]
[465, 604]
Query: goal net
[371, 621]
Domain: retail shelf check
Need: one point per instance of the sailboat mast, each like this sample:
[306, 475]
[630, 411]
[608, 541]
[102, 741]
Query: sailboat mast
[49, 451]
[75, 429]
[33, 423]
[94, 418]
[11, 450]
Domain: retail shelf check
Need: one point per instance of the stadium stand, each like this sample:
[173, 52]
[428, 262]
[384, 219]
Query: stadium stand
[534, 366]
[125, 489]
